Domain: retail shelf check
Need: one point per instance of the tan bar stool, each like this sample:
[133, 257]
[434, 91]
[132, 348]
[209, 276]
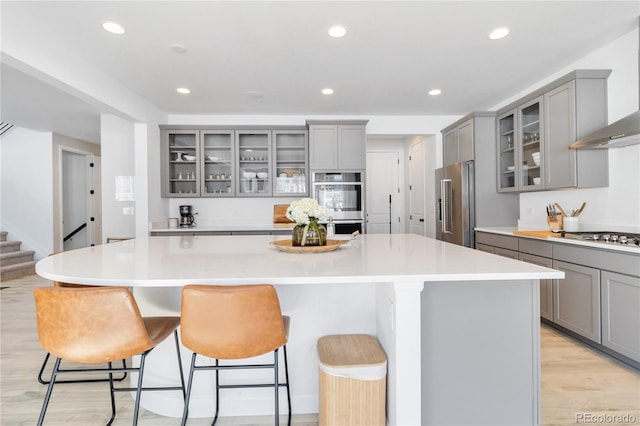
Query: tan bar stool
[48, 355]
[99, 325]
[231, 323]
[353, 373]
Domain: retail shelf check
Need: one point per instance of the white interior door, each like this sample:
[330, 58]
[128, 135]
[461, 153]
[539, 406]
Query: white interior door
[384, 203]
[74, 200]
[417, 189]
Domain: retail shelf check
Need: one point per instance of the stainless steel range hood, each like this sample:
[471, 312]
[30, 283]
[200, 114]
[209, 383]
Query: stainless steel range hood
[623, 132]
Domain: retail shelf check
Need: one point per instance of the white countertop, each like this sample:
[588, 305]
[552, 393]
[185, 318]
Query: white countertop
[178, 260]
[584, 243]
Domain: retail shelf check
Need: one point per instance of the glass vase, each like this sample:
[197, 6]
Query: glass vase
[312, 234]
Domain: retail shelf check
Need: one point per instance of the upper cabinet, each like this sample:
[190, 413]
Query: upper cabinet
[218, 163]
[254, 163]
[337, 145]
[534, 134]
[520, 148]
[290, 162]
[458, 143]
[181, 165]
[246, 162]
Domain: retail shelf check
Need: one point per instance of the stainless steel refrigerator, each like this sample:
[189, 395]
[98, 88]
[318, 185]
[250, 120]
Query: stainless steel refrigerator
[455, 204]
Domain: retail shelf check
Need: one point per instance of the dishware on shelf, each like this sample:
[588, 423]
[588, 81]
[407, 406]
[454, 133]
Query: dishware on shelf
[511, 168]
[262, 175]
[212, 158]
[537, 180]
[249, 175]
[189, 157]
[178, 155]
[536, 158]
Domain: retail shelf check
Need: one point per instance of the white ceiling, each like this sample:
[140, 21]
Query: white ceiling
[393, 53]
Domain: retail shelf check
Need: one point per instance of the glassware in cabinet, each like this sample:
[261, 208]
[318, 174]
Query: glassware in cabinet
[181, 166]
[218, 163]
[507, 152]
[253, 150]
[530, 142]
[290, 161]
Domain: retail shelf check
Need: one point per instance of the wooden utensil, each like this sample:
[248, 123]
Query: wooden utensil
[580, 209]
[561, 209]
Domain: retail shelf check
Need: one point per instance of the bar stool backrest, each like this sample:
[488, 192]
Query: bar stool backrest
[231, 322]
[90, 325]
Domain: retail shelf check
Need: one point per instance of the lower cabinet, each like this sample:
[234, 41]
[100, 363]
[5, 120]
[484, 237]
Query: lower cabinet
[546, 286]
[576, 304]
[621, 314]
[506, 253]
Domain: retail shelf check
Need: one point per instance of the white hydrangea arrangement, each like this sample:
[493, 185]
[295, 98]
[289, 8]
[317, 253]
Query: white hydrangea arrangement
[302, 211]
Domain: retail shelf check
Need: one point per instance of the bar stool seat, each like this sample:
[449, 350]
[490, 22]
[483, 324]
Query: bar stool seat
[231, 323]
[99, 325]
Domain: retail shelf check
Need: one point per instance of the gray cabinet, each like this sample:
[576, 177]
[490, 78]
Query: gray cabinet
[546, 286]
[337, 146]
[180, 163]
[290, 162]
[540, 253]
[520, 154]
[218, 163]
[501, 245]
[576, 304]
[252, 161]
[472, 137]
[543, 124]
[457, 143]
[574, 110]
[253, 154]
[621, 314]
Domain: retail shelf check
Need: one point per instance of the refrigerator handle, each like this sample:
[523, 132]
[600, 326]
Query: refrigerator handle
[446, 191]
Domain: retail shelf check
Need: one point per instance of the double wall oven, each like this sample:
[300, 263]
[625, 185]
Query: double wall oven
[342, 195]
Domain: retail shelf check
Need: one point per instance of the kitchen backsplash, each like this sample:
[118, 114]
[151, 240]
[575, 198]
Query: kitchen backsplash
[616, 207]
[220, 211]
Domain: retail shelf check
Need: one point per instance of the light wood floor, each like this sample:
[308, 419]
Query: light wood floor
[575, 380]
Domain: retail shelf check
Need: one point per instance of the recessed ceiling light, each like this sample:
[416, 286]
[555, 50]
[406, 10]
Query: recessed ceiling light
[434, 92]
[113, 27]
[327, 91]
[499, 33]
[177, 48]
[183, 90]
[337, 31]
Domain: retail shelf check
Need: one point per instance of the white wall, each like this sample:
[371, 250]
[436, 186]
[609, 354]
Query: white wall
[118, 160]
[616, 207]
[26, 192]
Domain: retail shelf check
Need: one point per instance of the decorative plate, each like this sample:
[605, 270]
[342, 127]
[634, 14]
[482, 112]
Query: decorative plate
[286, 246]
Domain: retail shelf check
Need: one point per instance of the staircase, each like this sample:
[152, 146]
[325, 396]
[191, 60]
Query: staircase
[14, 263]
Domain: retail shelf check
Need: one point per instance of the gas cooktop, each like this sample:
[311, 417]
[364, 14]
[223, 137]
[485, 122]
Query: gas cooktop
[605, 237]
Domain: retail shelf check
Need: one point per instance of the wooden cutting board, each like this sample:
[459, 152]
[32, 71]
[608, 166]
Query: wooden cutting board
[280, 213]
[538, 234]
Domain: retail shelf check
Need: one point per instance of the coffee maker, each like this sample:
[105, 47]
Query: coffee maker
[186, 217]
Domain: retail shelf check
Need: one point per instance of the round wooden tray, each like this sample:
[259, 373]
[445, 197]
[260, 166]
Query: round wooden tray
[286, 246]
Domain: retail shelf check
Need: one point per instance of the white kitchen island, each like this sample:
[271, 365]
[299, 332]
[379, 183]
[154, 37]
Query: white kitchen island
[460, 327]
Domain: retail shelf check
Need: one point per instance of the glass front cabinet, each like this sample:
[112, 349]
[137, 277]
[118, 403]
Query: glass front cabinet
[520, 165]
[218, 163]
[235, 163]
[254, 168]
[181, 168]
[290, 160]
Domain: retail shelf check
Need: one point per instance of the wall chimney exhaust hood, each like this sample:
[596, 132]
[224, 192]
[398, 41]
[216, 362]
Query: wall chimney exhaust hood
[623, 132]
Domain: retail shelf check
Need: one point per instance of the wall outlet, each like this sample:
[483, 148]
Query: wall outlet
[127, 211]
